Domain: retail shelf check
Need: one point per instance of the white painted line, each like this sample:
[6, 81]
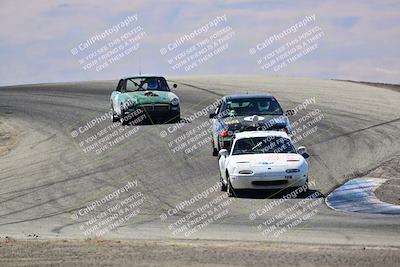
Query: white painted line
[357, 195]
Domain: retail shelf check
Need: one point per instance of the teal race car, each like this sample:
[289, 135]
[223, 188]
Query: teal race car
[149, 95]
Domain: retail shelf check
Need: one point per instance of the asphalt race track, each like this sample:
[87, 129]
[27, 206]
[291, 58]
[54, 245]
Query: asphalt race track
[47, 178]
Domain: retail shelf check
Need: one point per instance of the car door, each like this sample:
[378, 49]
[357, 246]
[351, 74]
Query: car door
[217, 124]
[222, 167]
[116, 96]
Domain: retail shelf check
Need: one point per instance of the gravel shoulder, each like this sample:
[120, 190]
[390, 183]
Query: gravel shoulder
[190, 253]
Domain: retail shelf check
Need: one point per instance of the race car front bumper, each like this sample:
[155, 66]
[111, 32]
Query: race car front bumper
[270, 182]
[156, 111]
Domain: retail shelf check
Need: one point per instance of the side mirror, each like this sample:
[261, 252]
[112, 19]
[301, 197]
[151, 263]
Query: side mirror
[223, 152]
[212, 115]
[174, 85]
[302, 150]
[290, 112]
[305, 155]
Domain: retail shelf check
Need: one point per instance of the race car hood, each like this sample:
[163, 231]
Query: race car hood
[256, 122]
[151, 97]
[290, 160]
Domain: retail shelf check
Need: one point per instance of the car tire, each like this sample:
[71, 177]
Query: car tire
[223, 186]
[122, 118]
[114, 117]
[214, 150]
[229, 189]
[305, 193]
[218, 148]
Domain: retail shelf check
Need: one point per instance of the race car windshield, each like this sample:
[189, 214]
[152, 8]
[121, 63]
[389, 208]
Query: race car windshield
[262, 145]
[146, 84]
[252, 106]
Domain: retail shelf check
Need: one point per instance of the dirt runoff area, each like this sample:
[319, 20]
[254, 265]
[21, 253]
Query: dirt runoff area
[190, 253]
[8, 137]
[390, 191]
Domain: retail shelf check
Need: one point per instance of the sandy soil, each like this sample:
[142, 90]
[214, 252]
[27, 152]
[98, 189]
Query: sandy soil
[390, 191]
[190, 253]
[8, 137]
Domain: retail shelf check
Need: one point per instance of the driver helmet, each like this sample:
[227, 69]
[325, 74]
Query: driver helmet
[263, 106]
[152, 84]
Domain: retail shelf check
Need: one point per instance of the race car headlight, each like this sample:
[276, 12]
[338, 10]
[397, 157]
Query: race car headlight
[246, 172]
[175, 102]
[292, 170]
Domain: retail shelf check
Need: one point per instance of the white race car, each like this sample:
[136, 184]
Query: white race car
[262, 160]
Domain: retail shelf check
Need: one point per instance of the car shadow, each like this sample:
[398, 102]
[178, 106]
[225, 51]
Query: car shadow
[277, 194]
[157, 121]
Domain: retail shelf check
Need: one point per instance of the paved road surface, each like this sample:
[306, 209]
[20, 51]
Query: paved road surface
[48, 177]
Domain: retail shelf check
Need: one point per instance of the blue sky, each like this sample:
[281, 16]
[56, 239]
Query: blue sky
[360, 42]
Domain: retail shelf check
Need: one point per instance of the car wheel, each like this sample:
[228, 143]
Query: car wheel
[218, 148]
[214, 150]
[114, 117]
[122, 119]
[223, 186]
[306, 188]
[230, 190]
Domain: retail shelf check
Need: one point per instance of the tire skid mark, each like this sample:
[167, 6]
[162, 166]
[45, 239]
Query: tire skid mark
[359, 130]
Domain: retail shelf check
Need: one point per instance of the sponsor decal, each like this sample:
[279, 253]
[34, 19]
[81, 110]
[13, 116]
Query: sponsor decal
[254, 118]
[150, 94]
[265, 163]
[232, 122]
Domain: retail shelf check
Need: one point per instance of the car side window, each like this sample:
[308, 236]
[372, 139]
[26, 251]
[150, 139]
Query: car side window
[222, 109]
[130, 86]
[218, 108]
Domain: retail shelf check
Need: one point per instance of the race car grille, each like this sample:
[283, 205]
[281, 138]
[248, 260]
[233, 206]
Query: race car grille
[161, 107]
[155, 107]
[268, 183]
